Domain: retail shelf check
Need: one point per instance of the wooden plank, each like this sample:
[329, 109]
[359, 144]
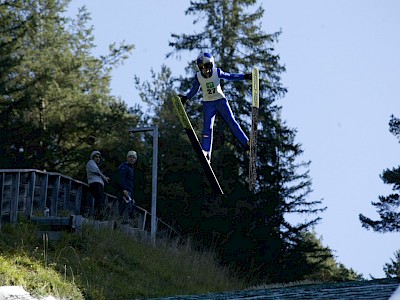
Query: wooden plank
[14, 198]
[44, 184]
[1, 197]
[78, 199]
[31, 195]
[54, 199]
[67, 194]
[52, 221]
[208, 171]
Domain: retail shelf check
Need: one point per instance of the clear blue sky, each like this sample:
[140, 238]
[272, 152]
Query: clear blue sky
[343, 77]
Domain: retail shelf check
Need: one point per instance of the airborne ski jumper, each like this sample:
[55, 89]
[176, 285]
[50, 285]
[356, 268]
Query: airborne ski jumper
[208, 79]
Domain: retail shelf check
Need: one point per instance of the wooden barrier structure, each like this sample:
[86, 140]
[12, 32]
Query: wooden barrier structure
[53, 199]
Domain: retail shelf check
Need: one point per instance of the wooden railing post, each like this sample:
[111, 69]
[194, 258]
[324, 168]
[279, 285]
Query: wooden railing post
[31, 195]
[54, 196]
[43, 192]
[78, 200]
[67, 194]
[14, 197]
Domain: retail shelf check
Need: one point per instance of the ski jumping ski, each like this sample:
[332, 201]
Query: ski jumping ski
[208, 171]
[253, 133]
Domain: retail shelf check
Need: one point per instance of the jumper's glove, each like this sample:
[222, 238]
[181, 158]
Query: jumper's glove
[183, 98]
[248, 76]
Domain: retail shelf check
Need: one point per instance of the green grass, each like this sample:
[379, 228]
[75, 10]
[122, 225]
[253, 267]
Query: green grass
[106, 264]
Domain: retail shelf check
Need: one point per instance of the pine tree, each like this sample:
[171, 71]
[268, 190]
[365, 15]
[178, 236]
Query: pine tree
[387, 206]
[392, 269]
[258, 235]
[55, 104]
[313, 261]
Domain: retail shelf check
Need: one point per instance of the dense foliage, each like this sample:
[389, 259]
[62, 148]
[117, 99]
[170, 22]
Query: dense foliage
[55, 102]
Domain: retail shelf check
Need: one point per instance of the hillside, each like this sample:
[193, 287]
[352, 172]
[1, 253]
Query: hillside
[105, 264]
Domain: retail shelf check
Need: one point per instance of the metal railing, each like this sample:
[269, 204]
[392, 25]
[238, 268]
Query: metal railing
[32, 193]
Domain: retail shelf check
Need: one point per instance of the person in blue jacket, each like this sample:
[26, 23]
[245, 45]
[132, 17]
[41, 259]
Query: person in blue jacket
[208, 78]
[126, 181]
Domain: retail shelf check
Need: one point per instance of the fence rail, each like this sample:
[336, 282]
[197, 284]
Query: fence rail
[32, 193]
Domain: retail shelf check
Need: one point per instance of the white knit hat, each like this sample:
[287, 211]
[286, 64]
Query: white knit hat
[94, 153]
[131, 153]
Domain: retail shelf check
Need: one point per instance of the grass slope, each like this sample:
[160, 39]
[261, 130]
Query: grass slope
[105, 264]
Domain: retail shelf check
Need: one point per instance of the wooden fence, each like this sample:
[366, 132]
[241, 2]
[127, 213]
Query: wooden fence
[38, 195]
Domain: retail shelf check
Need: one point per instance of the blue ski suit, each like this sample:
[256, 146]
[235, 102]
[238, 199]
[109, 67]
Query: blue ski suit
[214, 101]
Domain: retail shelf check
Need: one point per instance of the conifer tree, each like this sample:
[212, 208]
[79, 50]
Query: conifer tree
[392, 269]
[387, 206]
[258, 234]
[55, 101]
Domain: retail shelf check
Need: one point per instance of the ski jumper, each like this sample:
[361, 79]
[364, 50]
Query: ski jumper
[214, 101]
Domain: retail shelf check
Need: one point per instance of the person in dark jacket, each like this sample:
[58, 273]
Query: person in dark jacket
[126, 178]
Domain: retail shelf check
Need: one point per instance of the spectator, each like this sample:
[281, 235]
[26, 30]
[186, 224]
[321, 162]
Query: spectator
[126, 176]
[96, 181]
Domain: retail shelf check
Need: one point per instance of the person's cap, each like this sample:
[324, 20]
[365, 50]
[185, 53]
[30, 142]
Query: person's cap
[95, 153]
[131, 153]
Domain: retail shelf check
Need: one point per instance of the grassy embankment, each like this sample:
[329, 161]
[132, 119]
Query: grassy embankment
[106, 264]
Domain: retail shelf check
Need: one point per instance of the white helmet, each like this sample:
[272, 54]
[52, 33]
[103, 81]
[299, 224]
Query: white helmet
[205, 63]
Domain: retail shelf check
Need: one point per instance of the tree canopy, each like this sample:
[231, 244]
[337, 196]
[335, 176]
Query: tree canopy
[55, 102]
